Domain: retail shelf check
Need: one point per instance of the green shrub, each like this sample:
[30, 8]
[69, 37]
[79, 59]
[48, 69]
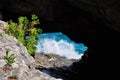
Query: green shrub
[25, 31]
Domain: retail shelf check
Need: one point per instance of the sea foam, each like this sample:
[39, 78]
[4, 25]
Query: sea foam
[58, 43]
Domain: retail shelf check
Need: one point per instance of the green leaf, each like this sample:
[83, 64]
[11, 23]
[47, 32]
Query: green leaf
[24, 28]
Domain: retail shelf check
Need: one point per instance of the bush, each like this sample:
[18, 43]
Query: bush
[25, 31]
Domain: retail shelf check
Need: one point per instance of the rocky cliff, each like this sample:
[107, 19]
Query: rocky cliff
[23, 67]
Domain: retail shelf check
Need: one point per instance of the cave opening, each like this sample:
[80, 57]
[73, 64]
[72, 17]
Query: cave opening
[81, 26]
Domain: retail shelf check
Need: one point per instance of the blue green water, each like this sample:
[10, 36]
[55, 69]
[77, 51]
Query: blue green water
[60, 44]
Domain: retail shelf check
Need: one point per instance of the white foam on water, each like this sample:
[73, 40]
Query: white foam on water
[62, 48]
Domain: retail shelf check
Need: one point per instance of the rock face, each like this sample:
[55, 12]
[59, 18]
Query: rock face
[107, 10]
[43, 8]
[23, 66]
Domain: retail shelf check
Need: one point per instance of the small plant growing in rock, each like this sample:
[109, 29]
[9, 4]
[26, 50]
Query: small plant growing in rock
[9, 60]
[25, 31]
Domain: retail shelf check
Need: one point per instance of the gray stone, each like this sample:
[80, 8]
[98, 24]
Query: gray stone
[52, 60]
[15, 66]
[2, 63]
[23, 60]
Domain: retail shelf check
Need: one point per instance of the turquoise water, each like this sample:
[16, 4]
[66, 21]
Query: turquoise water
[60, 44]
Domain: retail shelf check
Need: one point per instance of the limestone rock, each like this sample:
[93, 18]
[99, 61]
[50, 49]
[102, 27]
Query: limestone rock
[23, 60]
[2, 63]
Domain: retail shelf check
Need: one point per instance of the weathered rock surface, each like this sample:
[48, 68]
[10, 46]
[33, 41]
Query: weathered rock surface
[61, 67]
[23, 66]
[52, 60]
[107, 10]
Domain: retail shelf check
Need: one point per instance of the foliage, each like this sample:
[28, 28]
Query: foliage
[25, 31]
[9, 58]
